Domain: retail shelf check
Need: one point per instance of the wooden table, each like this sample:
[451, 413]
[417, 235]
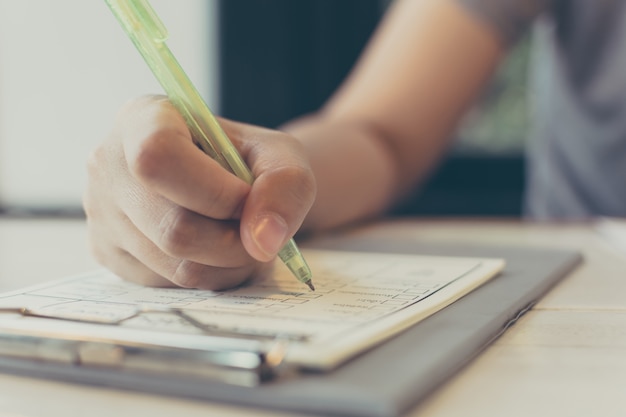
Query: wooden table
[566, 357]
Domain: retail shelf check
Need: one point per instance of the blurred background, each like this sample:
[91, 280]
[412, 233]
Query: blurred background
[66, 67]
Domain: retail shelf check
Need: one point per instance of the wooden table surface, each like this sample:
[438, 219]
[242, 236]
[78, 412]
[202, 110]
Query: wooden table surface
[566, 357]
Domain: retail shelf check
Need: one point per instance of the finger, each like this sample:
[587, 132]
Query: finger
[184, 272]
[126, 266]
[161, 154]
[187, 274]
[136, 259]
[283, 191]
[123, 264]
[176, 231]
[182, 234]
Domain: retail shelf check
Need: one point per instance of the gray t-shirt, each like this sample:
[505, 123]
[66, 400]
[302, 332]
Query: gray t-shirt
[577, 152]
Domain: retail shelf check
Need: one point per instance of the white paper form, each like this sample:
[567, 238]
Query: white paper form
[361, 299]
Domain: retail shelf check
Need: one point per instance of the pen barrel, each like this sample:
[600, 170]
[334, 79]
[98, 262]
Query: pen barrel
[293, 259]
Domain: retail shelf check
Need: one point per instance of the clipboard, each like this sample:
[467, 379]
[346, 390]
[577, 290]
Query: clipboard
[382, 382]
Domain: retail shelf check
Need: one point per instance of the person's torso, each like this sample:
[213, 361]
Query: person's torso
[577, 154]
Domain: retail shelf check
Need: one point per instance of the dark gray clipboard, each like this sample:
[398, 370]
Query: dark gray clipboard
[389, 379]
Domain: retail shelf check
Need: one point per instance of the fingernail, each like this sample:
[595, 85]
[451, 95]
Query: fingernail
[269, 233]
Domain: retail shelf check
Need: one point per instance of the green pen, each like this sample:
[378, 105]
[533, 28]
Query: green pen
[148, 33]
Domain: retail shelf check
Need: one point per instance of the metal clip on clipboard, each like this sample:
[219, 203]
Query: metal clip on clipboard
[229, 357]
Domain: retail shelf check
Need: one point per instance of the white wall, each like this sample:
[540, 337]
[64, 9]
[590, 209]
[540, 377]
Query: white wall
[66, 67]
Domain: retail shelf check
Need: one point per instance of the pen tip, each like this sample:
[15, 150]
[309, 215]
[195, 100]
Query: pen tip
[310, 284]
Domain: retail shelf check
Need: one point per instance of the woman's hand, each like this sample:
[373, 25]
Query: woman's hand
[161, 212]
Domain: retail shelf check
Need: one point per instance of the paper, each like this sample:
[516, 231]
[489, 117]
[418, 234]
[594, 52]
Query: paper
[361, 300]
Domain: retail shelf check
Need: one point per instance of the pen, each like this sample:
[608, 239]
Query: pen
[148, 33]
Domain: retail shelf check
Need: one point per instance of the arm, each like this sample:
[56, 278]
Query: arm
[388, 125]
[160, 211]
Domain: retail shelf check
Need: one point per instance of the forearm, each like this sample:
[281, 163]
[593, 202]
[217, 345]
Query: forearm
[382, 132]
[356, 170]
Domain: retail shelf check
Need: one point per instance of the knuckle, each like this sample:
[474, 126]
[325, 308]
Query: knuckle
[89, 207]
[151, 154]
[231, 278]
[219, 205]
[194, 275]
[188, 274]
[94, 161]
[299, 181]
[97, 252]
[99, 180]
[177, 232]
[97, 164]
[150, 280]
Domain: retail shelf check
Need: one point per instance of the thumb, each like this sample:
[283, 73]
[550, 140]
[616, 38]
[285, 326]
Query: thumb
[281, 196]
